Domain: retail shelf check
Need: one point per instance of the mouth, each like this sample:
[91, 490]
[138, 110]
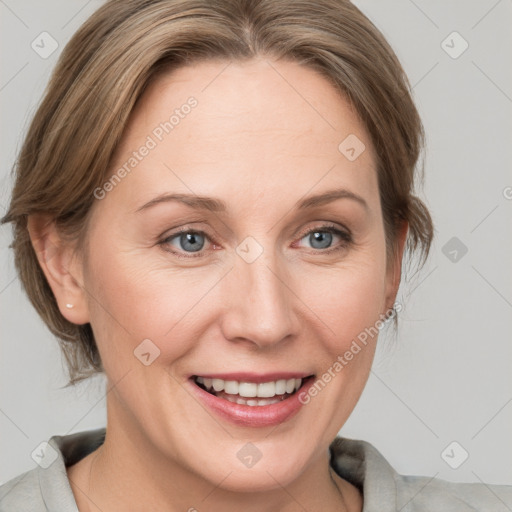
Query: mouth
[251, 393]
[252, 400]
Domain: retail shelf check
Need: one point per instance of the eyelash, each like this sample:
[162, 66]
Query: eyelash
[345, 236]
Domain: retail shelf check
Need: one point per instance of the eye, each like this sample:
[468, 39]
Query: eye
[321, 238]
[186, 241]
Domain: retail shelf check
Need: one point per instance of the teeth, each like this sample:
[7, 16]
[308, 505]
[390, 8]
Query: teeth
[251, 389]
[267, 389]
[247, 389]
[281, 387]
[231, 387]
[252, 402]
[218, 384]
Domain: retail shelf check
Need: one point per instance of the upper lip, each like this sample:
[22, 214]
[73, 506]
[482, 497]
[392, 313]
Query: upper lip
[254, 377]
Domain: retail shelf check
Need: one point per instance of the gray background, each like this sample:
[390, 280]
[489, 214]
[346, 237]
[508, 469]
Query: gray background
[447, 377]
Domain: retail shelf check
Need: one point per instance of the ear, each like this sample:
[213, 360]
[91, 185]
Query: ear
[394, 268]
[61, 266]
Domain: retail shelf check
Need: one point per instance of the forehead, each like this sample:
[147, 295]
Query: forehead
[254, 128]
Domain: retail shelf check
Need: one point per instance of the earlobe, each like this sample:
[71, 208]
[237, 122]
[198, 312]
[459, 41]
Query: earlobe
[62, 269]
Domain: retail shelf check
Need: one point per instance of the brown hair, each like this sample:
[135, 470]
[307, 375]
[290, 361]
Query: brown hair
[110, 60]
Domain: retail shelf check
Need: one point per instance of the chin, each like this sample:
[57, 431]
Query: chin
[266, 471]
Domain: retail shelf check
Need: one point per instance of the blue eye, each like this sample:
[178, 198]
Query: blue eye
[324, 238]
[321, 238]
[188, 241]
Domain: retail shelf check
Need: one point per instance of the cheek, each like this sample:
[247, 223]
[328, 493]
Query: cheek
[348, 305]
[135, 299]
[347, 299]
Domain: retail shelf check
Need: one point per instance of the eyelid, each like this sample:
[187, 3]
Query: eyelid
[325, 226]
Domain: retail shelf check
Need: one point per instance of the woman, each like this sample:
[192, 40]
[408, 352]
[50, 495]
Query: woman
[212, 207]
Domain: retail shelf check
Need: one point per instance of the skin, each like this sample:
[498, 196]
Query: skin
[259, 145]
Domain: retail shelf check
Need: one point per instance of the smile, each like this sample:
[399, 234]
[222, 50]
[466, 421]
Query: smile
[252, 400]
[250, 393]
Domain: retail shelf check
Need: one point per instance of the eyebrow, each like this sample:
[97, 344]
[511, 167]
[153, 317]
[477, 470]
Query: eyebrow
[218, 206]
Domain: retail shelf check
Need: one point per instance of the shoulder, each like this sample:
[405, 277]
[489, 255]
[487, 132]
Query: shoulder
[386, 490]
[23, 492]
[419, 493]
[47, 487]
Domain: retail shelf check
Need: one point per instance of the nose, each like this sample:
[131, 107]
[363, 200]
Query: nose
[260, 304]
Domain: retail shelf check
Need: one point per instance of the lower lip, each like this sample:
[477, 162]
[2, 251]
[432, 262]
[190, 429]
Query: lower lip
[253, 416]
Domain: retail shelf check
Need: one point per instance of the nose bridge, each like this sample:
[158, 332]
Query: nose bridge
[261, 305]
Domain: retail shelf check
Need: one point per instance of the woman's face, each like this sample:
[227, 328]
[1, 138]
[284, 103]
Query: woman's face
[259, 283]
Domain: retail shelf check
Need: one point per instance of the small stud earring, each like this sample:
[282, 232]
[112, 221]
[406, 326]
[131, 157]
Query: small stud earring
[69, 306]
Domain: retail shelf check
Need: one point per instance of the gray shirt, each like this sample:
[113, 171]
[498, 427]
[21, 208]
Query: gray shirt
[46, 487]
